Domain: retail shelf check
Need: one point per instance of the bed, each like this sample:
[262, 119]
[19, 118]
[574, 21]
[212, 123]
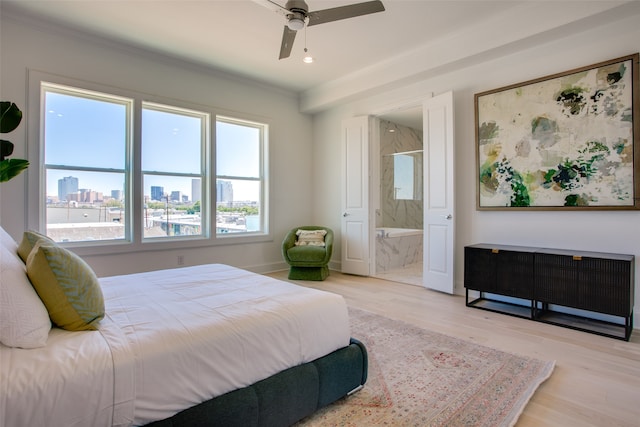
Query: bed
[202, 345]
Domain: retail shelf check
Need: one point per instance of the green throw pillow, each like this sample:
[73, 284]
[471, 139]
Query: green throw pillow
[67, 286]
[29, 240]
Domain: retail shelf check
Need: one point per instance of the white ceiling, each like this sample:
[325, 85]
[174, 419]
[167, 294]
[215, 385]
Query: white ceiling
[243, 38]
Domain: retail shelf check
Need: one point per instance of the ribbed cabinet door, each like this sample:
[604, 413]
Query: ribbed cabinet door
[515, 274]
[556, 279]
[603, 286]
[480, 269]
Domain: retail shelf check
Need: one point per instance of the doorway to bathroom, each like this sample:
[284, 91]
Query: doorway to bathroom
[362, 194]
[398, 201]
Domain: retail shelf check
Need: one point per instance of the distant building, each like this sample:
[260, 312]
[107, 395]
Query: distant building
[157, 193]
[89, 196]
[73, 197]
[224, 191]
[67, 185]
[196, 190]
[176, 196]
[117, 194]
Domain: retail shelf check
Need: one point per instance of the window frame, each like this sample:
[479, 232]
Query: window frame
[36, 197]
[263, 129]
[205, 168]
[48, 87]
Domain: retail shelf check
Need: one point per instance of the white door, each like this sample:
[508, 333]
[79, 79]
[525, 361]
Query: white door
[355, 196]
[439, 212]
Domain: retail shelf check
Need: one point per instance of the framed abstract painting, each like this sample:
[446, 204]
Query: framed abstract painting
[566, 141]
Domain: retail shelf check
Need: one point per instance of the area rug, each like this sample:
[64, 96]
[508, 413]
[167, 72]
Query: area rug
[422, 378]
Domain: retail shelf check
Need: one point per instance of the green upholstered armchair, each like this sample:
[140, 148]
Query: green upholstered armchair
[307, 262]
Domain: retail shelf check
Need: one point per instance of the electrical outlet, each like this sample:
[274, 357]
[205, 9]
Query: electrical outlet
[180, 259]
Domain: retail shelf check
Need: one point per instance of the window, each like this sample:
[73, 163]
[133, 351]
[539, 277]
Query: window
[403, 177]
[240, 183]
[407, 175]
[173, 171]
[87, 139]
[108, 178]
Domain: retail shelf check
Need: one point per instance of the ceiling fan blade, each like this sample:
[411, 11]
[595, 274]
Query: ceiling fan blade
[288, 36]
[271, 5]
[344, 12]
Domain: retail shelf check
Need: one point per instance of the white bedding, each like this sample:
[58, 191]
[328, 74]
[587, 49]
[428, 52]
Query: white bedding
[170, 340]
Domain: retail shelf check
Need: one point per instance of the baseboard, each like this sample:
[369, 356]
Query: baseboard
[267, 268]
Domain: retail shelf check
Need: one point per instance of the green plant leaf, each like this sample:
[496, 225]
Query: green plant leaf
[6, 149]
[10, 116]
[10, 168]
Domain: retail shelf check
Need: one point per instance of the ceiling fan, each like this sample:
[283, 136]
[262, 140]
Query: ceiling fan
[298, 15]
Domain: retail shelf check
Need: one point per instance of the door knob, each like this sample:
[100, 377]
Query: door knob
[345, 214]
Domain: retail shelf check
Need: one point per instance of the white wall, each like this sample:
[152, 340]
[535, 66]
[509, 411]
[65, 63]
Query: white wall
[27, 46]
[604, 231]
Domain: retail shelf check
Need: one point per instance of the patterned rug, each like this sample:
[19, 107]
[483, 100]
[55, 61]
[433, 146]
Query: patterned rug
[422, 378]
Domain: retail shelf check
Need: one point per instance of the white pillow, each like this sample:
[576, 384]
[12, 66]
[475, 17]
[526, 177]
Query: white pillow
[310, 237]
[24, 320]
[7, 241]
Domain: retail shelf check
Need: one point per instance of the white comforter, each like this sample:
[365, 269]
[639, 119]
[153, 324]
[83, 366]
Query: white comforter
[170, 340]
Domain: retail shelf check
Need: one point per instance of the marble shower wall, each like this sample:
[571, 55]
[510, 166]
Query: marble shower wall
[396, 138]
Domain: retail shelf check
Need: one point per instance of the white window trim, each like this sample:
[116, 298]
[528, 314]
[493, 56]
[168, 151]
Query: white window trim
[128, 102]
[205, 166]
[262, 176]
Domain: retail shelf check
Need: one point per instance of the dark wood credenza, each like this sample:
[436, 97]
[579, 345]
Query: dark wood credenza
[562, 287]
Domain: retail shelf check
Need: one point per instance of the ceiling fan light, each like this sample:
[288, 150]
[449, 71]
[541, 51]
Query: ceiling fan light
[308, 59]
[295, 24]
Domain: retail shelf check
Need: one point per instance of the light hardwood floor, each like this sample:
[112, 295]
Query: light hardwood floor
[596, 381]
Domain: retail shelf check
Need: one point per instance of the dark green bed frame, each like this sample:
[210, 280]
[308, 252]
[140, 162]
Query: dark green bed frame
[285, 398]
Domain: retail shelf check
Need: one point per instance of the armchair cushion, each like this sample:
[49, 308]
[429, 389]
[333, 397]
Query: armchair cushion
[310, 237]
[306, 254]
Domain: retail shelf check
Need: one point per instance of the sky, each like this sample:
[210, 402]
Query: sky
[89, 132]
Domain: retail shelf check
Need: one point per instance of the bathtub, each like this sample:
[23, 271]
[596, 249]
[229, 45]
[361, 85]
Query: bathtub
[388, 232]
[397, 248]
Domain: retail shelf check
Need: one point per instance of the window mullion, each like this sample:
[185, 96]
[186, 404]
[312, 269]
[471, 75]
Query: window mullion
[83, 168]
[135, 182]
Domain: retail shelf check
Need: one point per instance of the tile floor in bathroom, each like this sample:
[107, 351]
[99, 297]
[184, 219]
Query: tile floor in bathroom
[410, 274]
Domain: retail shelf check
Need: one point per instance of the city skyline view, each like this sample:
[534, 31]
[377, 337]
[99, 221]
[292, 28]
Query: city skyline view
[54, 191]
[76, 137]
